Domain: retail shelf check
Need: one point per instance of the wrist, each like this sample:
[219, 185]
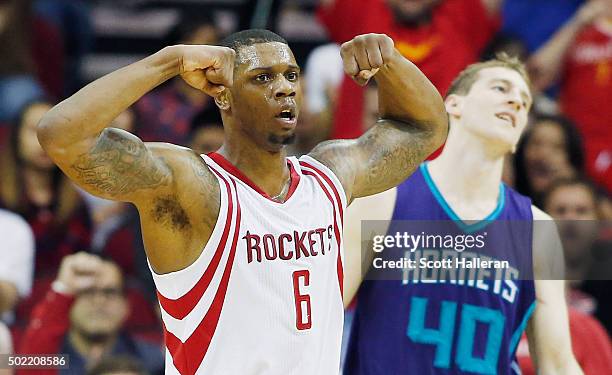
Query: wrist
[169, 59]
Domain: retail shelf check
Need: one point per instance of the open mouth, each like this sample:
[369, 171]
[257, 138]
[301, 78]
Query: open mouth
[287, 115]
[506, 117]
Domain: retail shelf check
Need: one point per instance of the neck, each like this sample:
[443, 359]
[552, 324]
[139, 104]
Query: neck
[268, 170]
[469, 173]
[91, 350]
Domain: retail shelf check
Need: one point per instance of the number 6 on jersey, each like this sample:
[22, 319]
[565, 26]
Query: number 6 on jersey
[301, 323]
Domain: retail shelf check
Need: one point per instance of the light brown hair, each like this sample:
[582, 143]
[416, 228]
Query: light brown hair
[463, 82]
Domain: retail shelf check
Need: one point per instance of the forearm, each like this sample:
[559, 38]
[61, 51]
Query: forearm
[565, 366]
[547, 61]
[406, 95]
[8, 296]
[86, 113]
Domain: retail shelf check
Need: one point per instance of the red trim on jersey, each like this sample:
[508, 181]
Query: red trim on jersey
[179, 308]
[188, 356]
[231, 169]
[339, 269]
[294, 177]
[329, 181]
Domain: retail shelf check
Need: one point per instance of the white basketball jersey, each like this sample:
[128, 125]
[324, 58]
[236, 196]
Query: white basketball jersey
[265, 295]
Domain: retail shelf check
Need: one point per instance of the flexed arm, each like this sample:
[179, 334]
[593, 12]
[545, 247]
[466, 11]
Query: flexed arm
[413, 121]
[113, 163]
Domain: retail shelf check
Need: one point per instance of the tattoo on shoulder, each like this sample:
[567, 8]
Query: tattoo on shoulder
[120, 164]
[198, 166]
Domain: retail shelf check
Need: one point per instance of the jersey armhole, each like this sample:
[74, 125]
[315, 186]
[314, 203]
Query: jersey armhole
[177, 283]
[329, 173]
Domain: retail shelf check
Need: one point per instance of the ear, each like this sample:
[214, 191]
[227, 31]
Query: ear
[222, 100]
[453, 104]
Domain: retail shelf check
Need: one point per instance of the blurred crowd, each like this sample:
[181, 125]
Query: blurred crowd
[54, 236]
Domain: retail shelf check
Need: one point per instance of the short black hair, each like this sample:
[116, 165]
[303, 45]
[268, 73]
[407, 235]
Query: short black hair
[250, 37]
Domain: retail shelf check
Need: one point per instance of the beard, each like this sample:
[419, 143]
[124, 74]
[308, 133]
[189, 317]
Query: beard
[94, 336]
[412, 19]
[280, 140]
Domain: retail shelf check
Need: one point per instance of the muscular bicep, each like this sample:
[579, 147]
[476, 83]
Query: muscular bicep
[380, 159]
[387, 154]
[116, 165]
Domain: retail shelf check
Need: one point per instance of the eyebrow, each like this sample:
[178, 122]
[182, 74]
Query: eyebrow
[526, 96]
[270, 68]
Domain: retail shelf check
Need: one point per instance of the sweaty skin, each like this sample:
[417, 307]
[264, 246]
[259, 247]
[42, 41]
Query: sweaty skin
[177, 196]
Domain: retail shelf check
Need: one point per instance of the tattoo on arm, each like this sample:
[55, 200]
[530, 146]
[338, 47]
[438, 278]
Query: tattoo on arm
[380, 159]
[393, 151]
[120, 164]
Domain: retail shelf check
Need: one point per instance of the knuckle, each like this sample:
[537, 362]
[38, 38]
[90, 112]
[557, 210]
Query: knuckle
[344, 48]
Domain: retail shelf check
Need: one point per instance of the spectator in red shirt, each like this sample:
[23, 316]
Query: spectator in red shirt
[440, 37]
[82, 316]
[580, 55]
[33, 187]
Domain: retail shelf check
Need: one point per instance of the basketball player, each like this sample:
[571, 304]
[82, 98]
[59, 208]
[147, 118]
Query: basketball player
[244, 244]
[414, 325]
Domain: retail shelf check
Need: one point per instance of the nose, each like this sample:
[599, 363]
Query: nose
[515, 100]
[284, 88]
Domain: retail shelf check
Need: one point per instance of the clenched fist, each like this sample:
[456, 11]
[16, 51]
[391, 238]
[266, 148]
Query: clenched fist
[79, 271]
[207, 68]
[365, 54]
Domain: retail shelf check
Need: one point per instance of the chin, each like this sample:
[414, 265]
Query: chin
[279, 141]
